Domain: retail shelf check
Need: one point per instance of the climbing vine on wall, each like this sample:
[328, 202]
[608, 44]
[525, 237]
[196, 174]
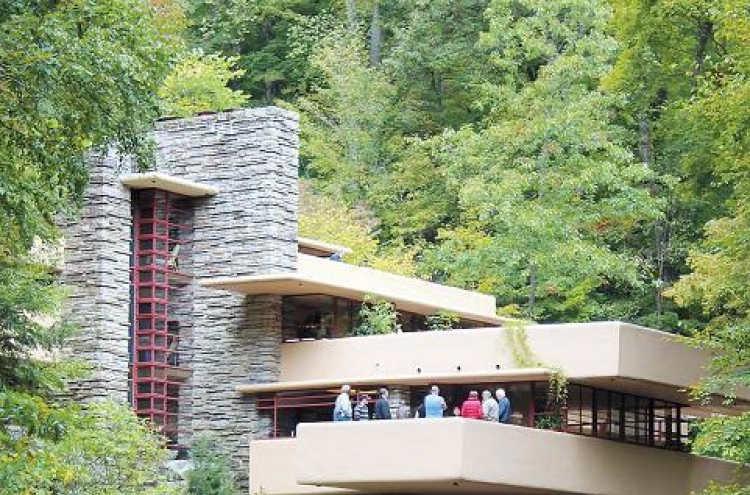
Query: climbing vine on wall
[523, 357]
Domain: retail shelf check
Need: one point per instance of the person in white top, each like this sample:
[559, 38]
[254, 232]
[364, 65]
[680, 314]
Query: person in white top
[342, 409]
[490, 410]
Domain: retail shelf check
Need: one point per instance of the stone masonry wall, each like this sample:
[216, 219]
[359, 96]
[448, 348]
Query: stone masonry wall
[249, 228]
[97, 272]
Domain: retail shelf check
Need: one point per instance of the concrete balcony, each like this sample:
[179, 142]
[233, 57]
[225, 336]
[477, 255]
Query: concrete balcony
[466, 456]
[322, 276]
[609, 355]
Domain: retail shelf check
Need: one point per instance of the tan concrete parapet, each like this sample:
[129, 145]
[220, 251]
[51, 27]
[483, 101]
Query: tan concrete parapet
[455, 455]
[610, 355]
[273, 470]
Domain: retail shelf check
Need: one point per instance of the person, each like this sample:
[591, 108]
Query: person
[472, 408]
[342, 409]
[361, 411]
[490, 408]
[434, 404]
[503, 405]
[382, 407]
[403, 411]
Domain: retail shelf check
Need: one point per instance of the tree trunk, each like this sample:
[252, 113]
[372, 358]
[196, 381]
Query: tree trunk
[644, 139]
[351, 13]
[533, 282]
[705, 31]
[376, 36]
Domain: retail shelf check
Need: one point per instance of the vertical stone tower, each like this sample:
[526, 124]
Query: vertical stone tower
[248, 228]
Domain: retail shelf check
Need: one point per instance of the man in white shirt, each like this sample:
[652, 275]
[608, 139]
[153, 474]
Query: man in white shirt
[342, 410]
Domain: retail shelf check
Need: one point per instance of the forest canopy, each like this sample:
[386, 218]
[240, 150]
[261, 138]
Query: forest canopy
[578, 159]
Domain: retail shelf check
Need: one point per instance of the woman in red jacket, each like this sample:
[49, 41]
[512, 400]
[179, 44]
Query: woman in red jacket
[472, 407]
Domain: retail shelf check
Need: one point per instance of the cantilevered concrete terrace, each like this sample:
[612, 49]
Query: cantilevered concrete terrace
[455, 455]
[322, 276]
[611, 355]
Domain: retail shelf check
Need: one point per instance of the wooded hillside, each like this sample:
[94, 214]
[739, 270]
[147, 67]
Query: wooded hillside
[574, 158]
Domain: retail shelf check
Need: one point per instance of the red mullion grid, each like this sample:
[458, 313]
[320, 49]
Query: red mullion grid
[156, 373]
[152, 244]
[277, 403]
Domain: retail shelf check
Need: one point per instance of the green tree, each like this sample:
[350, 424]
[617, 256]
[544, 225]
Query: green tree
[74, 76]
[100, 449]
[261, 34]
[548, 184]
[198, 83]
[377, 317]
[346, 121]
[680, 62]
[435, 63]
[711, 146]
[211, 473]
[327, 219]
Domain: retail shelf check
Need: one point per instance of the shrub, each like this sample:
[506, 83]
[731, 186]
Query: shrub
[377, 316]
[211, 473]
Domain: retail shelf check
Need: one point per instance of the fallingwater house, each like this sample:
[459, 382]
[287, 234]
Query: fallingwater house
[203, 308]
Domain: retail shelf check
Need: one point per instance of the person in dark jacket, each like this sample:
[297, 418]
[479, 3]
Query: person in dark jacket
[382, 407]
[503, 406]
[472, 407]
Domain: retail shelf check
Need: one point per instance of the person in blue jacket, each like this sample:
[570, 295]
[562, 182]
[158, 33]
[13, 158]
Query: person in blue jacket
[503, 406]
[434, 404]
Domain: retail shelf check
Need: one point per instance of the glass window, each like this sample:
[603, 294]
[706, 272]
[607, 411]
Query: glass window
[587, 411]
[318, 316]
[603, 419]
[616, 415]
[629, 410]
[574, 409]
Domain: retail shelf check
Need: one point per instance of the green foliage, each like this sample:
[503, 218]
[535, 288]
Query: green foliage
[75, 75]
[548, 183]
[261, 33]
[326, 219]
[377, 317]
[442, 320]
[211, 473]
[496, 137]
[100, 449]
[517, 341]
[345, 122]
[684, 66]
[198, 83]
[27, 296]
[558, 389]
[725, 437]
[550, 422]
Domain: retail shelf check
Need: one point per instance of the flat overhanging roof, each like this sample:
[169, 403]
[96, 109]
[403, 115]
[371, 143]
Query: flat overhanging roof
[323, 276]
[514, 375]
[177, 185]
[323, 247]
